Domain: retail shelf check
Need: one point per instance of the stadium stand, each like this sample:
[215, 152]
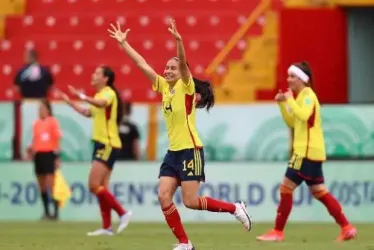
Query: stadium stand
[71, 37]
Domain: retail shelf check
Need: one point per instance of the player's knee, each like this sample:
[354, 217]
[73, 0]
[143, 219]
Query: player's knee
[93, 186]
[42, 184]
[49, 181]
[165, 198]
[318, 191]
[191, 202]
[285, 189]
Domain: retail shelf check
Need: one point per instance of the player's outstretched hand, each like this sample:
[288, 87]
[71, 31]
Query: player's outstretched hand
[288, 94]
[117, 33]
[62, 95]
[280, 96]
[74, 91]
[173, 30]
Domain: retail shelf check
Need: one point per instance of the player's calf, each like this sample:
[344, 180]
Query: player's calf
[334, 208]
[209, 204]
[283, 212]
[331, 203]
[284, 207]
[237, 209]
[167, 188]
[190, 190]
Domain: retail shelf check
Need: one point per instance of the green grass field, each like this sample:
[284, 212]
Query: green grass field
[71, 236]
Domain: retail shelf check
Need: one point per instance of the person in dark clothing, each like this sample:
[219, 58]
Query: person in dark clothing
[33, 80]
[129, 135]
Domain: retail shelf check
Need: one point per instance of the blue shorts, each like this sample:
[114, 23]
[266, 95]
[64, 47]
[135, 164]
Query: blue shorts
[105, 154]
[302, 169]
[185, 165]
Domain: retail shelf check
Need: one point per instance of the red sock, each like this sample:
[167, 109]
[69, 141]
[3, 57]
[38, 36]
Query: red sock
[174, 221]
[212, 205]
[106, 214]
[110, 200]
[334, 208]
[284, 210]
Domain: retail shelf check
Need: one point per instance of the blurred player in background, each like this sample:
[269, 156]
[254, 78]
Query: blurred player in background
[130, 137]
[309, 153]
[184, 162]
[44, 150]
[106, 111]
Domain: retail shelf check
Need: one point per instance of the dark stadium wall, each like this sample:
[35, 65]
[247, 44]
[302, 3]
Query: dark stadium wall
[361, 54]
[317, 36]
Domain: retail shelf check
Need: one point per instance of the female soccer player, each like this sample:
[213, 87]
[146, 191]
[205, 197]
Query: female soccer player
[184, 162]
[308, 153]
[106, 111]
[45, 144]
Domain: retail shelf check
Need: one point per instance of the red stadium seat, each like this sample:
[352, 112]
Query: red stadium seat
[71, 36]
[7, 73]
[107, 51]
[88, 24]
[134, 6]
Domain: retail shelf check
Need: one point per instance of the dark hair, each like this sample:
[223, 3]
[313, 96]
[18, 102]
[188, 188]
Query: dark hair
[33, 54]
[205, 89]
[47, 104]
[127, 108]
[109, 73]
[305, 67]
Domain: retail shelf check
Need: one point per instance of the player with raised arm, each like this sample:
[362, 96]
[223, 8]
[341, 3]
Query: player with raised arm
[309, 153]
[183, 164]
[106, 112]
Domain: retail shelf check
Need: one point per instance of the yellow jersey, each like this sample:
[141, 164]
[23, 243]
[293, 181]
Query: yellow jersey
[178, 108]
[105, 127]
[304, 116]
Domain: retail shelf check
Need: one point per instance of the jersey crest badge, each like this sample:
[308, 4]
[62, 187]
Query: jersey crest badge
[107, 96]
[308, 101]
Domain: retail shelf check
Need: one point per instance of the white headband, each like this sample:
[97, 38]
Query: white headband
[298, 72]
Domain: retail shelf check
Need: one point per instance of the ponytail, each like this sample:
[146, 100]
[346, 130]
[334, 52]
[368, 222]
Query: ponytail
[119, 104]
[109, 73]
[205, 90]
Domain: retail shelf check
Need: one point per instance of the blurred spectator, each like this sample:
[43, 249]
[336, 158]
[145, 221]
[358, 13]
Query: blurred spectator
[33, 80]
[129, 135]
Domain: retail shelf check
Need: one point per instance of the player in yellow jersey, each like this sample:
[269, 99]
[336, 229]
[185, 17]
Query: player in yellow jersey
[184, 162]
[303, 115]
[106, 112]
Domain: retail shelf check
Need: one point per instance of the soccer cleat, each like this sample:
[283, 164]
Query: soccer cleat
[54, 218]
[348, 232]
[272, 235]
[46, 218]
[100, 232]
[241, 215]
[124, 221]
[184, 246]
